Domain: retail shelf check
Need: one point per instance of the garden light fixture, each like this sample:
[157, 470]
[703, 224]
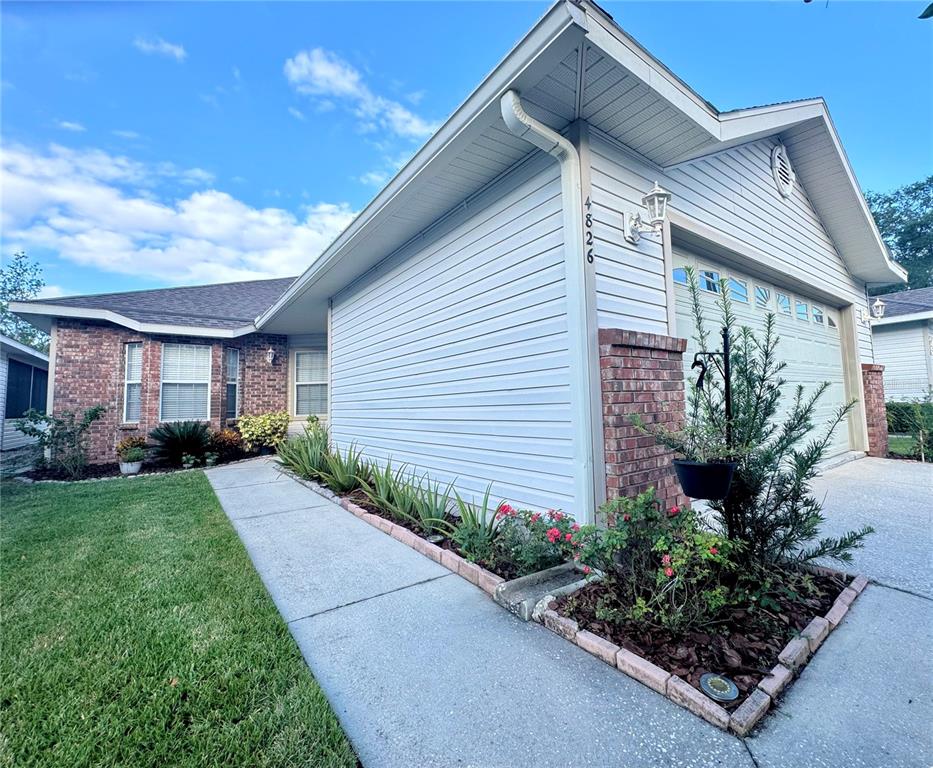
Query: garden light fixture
[270, 355]
[877, 309]
[655, 203]
[718, 687]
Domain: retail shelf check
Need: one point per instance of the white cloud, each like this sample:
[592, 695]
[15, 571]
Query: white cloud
[69, 125]
[160, 47]
[51, 292]
[323, 74]
[296, 113]
[126, 134]
[375, 178]
[100, 211]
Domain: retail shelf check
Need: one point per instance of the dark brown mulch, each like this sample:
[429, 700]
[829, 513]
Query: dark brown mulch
[98, 471]
[744, 646]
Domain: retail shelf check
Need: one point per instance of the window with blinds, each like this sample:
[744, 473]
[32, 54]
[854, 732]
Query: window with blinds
[311, 382]
[232, 368]
[186, 382]
[132, 382]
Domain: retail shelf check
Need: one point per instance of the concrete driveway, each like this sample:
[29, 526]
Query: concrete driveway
[866, 699]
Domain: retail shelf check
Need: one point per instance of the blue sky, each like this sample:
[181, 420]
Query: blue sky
[160, 143]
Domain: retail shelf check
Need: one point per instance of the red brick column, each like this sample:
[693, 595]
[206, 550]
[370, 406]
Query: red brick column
[875, 413]
[641, 373]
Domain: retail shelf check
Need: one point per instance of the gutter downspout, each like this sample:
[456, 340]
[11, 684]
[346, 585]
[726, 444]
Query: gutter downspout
[521, 124]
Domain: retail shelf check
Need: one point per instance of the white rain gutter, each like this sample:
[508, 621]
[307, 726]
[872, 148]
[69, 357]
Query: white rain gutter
[521, 124]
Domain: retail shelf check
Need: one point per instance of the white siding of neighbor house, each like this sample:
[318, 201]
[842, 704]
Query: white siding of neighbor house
[732, 192]
[452, 355]
[903, 350]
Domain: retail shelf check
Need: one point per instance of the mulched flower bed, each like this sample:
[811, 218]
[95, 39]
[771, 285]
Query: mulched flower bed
[503, 569]
[744, 644]
[101, 471]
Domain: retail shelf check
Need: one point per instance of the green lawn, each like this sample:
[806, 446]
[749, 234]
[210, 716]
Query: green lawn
[902, 445]
[135, 632]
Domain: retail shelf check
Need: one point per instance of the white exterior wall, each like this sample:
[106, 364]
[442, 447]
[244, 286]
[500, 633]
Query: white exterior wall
[452, 355]
[904, 351]
[732, 192]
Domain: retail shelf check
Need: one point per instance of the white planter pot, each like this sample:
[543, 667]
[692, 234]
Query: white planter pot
[130, 467]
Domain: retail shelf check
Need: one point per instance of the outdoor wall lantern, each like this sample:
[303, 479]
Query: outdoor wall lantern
[270, 355]
[877, 309]
[655, 203]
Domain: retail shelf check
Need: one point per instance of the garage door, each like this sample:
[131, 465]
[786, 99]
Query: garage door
[809, 332]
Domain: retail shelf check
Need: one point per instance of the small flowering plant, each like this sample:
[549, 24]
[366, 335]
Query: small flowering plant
[664, 568]
[533, 541]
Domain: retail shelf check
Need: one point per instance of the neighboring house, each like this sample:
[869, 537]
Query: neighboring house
[23, 385]
[175, 354]
[488, 320]
[903, 341]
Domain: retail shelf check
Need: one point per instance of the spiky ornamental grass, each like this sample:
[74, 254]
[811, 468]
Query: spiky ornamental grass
[136, 632]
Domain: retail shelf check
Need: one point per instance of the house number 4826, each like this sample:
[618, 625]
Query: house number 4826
[588, 230]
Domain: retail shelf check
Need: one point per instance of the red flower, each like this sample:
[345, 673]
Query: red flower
[673, 511]
[505, 508]
[568, 536]
[669, 572]
[535, 517]
[713, 551]
[575, 527]
[586, 569]
[553, 534]
[627, 518]
[666, 560]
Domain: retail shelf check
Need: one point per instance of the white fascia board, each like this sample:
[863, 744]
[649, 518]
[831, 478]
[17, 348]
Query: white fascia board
[42, 314]
[22, 349]
[911, 318]
[560, 18]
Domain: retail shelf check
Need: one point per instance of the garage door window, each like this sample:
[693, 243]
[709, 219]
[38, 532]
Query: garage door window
[738, 290]
[709, 281]
[762, 297]
[803, 312]
[680, 276]
[817, 315]
[783, 303]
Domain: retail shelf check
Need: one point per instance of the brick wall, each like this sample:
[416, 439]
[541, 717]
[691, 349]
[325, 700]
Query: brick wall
[89, 369]
[875, 414]
[641, 373]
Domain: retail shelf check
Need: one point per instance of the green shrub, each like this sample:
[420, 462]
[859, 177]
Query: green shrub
[265, 430]
[174, 440]
[345, 472]
[533, 541]
[477, 529]
[662, 568]
[770, 507]
[63, 436]
[128, 444]
[132, 455]
[227, 444]
[914, 418]
[306, 454]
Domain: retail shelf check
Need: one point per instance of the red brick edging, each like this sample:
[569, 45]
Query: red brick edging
[790, 661]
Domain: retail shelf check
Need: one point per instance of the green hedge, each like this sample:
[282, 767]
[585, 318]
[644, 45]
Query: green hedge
[901, 417]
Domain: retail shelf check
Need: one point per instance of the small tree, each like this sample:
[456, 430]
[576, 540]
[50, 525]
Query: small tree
[63, 436]
[20, 279]
[770, 507]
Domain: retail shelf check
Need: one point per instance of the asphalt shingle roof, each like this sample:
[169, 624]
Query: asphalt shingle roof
[907, 302]
[221, 306]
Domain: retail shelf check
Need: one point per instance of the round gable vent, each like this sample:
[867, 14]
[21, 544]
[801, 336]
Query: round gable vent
[783, 173]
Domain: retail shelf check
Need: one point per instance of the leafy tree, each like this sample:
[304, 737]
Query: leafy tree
[905, 219]
[21, 279]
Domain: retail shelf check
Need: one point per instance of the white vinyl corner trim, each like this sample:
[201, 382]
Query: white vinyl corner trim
[521, 124]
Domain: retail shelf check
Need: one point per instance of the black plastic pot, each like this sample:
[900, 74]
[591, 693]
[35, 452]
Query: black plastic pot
[705, 480]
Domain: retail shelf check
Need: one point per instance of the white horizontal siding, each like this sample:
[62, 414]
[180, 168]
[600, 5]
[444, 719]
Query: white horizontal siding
[732, 192]
[452, 355]
[902, 350]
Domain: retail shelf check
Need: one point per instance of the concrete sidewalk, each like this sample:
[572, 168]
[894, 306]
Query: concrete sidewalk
[423, 669]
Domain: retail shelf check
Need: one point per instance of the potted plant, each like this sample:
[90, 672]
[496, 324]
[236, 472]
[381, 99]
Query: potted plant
[131, 452]
[188, 461]
[706, 469]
